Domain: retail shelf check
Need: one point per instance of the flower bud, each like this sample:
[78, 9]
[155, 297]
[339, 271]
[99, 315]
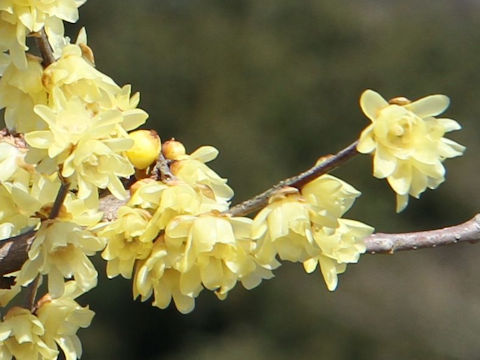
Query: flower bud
[145, 149]
[173, 149]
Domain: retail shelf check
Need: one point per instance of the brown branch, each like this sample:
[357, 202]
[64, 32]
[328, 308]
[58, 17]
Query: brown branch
[261, 200]
[380, 243]
[61, 195]
[45, 48]
[13, 253]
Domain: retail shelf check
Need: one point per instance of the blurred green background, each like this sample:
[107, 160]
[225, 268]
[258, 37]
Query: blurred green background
[274, 84]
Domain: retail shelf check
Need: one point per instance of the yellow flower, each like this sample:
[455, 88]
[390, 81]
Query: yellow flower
[61, 319]
[306, 226]
[192, 169]
[329, 198]
[283, 228]
[208, 251]
[18, 18]
[87, 145]
[154, 275]
[125, 242]
[60, 249]
[20, 91]
[337, 249]
[21, 337]
[407, 142]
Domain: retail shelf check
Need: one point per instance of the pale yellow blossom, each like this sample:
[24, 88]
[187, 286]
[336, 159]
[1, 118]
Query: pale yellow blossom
[61, 319]
[306, 226]
[18, 18]
[21, 337]
[125, 242]
[20, 91]
[283, 228]
[407, 142]
[61, 250]
[86, 145]
[337, 249]
[208, 251]
[192, 169]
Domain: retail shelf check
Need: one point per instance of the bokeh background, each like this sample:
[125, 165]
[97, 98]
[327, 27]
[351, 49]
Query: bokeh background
[274, 84]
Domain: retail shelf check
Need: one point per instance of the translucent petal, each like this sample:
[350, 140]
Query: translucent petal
[401, 179]
[449, 124]
[310, 265]
[204, 154]
[190, 282]
[366, 144]
[133, 118]
[419, 183]
[402, 202]
[449, 148]
[212, 274]
[429, 106]
[329, 272]
[384, 163]
[371, 103]
[39, 139]
[184, 304]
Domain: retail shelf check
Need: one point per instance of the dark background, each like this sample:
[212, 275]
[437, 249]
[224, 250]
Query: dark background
[274, 84]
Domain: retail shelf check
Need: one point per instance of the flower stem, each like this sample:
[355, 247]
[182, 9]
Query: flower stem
[45, 48]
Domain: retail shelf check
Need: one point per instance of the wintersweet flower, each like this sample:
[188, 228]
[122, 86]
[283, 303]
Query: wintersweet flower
[61, 318]
[21, 337]
[306, 226]
[283, 228]
[18, 18]
[24, 194]
[165, 201]
[337, 249]
[407, 142]
[155, 276]
[76, 76]
[208, 251]
[85, 144]
[219, 246]
[20, 91]
[125, 241]
[61, 250]
[192, 169]
[329, 198]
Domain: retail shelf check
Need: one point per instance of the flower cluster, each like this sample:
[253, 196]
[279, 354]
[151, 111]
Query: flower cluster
[70, 140]
[306, 226]
[19, 18]
[407, 142]
[25, 335]
[173, 237]
[67, 136]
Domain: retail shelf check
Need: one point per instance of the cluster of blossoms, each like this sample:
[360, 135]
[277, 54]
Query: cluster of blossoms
[67, 133]
[407, 142]
[175, 239]
[306, 226]
[69, 143]
[53, 325]
[20, 18]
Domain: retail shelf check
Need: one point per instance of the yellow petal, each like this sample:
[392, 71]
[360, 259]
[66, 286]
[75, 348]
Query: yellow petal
[429, 106]
[371, 103]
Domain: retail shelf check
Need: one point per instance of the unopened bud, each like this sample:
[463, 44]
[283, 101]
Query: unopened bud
[145, 149]
[400, 100]
[173, 149]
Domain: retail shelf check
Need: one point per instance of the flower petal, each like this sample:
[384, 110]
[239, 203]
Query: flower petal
[429, 106]
[371, 103]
